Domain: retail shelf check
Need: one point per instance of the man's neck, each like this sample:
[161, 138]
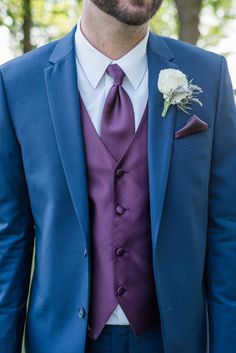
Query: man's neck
[111, 37]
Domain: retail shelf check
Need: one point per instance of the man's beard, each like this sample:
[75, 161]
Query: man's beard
[131, 12]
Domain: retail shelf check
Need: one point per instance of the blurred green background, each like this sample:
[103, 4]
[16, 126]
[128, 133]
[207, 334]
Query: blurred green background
[27, 24]
[34, 22]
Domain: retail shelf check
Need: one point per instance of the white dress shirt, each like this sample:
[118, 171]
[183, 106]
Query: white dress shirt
[94, 84]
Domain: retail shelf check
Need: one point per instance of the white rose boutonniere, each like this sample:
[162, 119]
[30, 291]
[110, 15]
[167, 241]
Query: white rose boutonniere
[177, 90]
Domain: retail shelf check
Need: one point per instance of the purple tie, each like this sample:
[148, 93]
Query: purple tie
[117, 126]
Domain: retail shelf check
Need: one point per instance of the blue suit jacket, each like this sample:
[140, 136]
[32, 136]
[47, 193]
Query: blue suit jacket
[43, 195]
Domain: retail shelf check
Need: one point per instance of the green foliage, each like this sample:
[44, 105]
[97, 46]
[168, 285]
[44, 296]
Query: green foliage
[218, 4]
[222, 13]
[51, 19]
[11, 15]
[54, 18]
[164, 22]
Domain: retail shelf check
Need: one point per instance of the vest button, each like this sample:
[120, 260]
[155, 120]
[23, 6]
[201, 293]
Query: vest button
[120, 210]
[120, 172]
[81, 312]
[120, 251]
[120, 290]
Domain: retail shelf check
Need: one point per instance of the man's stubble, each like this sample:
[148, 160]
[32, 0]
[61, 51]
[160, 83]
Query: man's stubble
[130, 12]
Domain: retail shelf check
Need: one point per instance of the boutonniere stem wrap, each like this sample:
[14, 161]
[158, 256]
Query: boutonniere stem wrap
[177, 90]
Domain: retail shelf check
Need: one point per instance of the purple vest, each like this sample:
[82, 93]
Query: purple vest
[121, 249]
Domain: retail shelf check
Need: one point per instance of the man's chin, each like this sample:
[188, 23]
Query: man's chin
[133, 12]
[131, 22]
[131, 19]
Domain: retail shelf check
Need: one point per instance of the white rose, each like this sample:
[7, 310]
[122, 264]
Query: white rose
[171, 79]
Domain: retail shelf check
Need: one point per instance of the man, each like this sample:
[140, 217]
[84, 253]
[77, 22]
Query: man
[129, 194]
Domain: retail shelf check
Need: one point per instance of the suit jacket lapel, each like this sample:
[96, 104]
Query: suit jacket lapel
[160, 131]
[62, 92]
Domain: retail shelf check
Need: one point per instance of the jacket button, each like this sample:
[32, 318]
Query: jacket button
[120, 210]
[81, 312]
[85, 252]
[120, 290]
[120, 172]
[120, 251]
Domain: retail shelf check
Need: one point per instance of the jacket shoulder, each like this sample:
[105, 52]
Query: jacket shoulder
[27, 66]
[192, 54]
[35, 56]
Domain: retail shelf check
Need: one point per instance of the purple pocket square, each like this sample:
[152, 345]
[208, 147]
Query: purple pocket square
[194, 125]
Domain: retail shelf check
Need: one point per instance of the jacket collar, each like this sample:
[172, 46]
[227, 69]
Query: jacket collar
[62, 92]
[67, 44]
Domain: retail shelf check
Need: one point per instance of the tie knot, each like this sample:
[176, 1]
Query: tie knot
[116, 73]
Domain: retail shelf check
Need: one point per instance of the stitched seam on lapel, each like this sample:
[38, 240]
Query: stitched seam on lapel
[82, 225]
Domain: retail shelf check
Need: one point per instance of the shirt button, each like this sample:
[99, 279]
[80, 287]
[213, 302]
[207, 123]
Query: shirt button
[120, 172]
[120, 251]
[85, 252]
[120, 210]
[81, 312]
[120, 290]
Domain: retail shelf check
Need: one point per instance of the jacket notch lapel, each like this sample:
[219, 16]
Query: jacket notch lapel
[62, 93]
[160, 131]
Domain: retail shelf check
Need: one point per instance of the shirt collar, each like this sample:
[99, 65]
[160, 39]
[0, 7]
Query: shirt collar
[94, 63]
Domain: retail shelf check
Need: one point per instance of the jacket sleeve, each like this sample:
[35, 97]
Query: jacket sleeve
[221, 240]
[16, 235]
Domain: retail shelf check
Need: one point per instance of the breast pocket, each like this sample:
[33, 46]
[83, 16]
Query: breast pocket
[192, 141]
